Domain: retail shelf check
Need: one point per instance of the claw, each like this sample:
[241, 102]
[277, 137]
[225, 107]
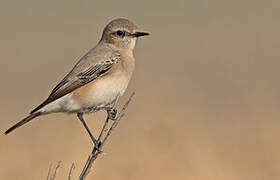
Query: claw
[112, 113]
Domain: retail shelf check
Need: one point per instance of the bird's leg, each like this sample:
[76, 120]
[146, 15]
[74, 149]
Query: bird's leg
[80, 116]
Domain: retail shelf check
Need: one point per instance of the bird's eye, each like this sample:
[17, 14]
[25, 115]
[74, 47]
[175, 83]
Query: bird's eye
[120, 33]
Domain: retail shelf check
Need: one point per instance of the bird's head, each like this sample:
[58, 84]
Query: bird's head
[122, 33]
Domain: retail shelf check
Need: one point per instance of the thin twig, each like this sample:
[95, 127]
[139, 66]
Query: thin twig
[49, 173]
[104, 127]
[116, 122]
[52, 176]
[97, 149]
[71, 171]
[107, 121]
[56, 170]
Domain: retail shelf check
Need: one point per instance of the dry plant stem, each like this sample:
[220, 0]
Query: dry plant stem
[71, 171]
[103, 128]
[49, 173]
[53, 176]
[97, 149]
[56, 170]
[50, 176]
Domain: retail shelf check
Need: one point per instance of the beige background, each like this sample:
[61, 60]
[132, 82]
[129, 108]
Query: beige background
[207, 89]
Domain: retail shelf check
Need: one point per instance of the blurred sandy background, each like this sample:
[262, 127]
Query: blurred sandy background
[207, 89]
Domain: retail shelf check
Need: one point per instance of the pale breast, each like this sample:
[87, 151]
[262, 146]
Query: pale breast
[100, 92]
[104, 91]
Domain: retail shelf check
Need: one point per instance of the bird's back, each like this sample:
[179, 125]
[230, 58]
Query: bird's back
[95, 58]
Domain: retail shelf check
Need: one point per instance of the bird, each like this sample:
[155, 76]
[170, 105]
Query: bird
[97, 80]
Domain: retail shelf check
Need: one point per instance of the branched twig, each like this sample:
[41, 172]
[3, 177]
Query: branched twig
[97, 149]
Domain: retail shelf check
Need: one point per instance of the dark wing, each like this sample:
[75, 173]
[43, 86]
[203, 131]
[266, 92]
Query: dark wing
[70, 82]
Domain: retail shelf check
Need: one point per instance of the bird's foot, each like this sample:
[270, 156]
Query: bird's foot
[112, 113]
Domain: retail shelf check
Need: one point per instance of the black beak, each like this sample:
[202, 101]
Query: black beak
[138, 34]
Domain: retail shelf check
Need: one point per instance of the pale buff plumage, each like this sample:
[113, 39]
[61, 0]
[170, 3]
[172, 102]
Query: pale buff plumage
[104, 91]
[98, 79]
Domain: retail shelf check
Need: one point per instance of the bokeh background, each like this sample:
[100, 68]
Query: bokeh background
[206, 82]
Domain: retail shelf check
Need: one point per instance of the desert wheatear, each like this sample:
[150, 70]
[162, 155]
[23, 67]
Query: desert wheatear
[98, 79]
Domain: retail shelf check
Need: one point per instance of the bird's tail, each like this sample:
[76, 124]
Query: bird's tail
[22, 122]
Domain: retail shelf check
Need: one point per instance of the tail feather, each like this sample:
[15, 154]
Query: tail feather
[40, 106]
[22, 122]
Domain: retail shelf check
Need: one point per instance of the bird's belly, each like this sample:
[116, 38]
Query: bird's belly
[100, 92]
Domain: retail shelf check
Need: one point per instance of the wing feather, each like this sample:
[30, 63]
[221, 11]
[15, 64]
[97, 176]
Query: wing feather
[72, 82]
